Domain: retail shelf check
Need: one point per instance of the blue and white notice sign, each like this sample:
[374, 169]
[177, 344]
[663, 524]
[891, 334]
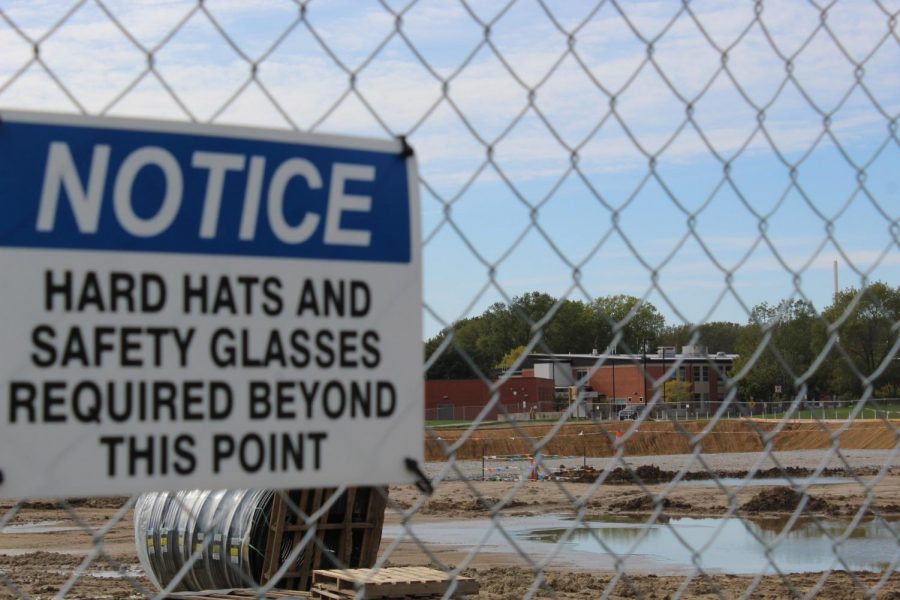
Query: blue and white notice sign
[193, 306]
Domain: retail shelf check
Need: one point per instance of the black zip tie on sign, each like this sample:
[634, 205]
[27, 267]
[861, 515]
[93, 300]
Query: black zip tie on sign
[407, 150]
[422, 481]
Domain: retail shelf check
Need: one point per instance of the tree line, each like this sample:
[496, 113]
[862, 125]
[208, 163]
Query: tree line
[787, 346]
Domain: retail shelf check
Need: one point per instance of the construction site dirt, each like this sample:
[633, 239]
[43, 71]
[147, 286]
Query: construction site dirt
[44, 544]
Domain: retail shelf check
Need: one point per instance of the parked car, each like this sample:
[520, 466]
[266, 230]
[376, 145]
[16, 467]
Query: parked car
[630, 413]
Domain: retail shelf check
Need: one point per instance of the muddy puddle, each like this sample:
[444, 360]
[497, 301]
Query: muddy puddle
[40, 527]
[796, 482]
[108, 574]
[725, 545]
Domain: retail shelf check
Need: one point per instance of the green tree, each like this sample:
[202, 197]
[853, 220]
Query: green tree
[717, 336]
[792, 335]
[642, 324]
[676, 335]
[467, 338]
[868, 326]
[720, 336]
[570, 329]
[678, 391]
[511, 357]
[449, 364]
[488, 338]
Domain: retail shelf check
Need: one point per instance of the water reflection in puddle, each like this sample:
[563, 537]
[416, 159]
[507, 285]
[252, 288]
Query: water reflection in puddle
[739, 546]
[768, 481]
[132, 572]
[39, 527]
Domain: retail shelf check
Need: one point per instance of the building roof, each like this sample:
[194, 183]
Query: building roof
[606, 358]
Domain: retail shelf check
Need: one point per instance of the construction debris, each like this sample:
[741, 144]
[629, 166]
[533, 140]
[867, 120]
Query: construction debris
[388, 583]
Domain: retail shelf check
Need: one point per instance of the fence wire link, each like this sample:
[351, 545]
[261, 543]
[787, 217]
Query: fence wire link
[477, 86]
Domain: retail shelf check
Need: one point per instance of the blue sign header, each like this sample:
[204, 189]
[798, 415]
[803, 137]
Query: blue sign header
[93, 184]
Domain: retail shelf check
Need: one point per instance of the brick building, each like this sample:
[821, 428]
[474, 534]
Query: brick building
[612, 381]
[463, 399]
[623, 379]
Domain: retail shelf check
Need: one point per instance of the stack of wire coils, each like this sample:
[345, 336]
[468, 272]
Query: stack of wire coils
[218, 537]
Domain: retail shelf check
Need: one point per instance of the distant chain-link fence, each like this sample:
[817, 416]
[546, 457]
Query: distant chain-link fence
[702, 157]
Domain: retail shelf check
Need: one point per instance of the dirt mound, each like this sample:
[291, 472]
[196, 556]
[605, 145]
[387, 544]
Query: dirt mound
[517, 582]
[658, 437]
[650, 474]
[619, 476]
[643, 473]
[43, 559]
[52, 504]
[782, 499]
[454, 506]
[646, 503]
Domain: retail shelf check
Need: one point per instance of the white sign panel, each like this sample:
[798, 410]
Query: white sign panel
[187, 306]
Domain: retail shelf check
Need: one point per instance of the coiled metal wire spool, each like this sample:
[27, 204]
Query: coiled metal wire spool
[171, 527]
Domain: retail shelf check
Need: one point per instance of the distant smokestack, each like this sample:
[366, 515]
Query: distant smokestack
[835, 282]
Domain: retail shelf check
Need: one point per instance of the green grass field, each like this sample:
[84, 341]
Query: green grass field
[446, 423]
[872, 410]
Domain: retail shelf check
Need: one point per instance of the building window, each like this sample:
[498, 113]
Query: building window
[681, 373]
[701, 374]
[580, 374]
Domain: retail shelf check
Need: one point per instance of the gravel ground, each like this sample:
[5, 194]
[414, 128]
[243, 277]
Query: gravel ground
[734, 461]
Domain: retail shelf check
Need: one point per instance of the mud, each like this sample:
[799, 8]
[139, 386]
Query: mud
[783, 499]
[643, 503]
[53, 504]
[649, 474]
[510, 582]
[46, 573]
[474, 506]
[41, 575]
[41, 564]
[456, 499]
[590, 439]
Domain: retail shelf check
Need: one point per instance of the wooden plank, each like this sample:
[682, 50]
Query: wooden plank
[286, 529]
[323, 594]
[312, 555]
[345, 546]
[372, 538]
[328, 526]
[304, 499]
[272, 558]
[392, 582]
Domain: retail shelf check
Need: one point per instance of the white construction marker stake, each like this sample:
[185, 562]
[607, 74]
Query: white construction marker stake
[191, 306]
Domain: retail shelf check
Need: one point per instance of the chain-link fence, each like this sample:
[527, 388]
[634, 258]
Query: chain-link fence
[603, 183]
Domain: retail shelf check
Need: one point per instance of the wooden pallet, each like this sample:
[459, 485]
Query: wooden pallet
[394, 582]
[350, 530]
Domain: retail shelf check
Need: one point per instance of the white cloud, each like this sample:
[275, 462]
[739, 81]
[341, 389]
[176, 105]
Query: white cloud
[88, 54]
[97, 63]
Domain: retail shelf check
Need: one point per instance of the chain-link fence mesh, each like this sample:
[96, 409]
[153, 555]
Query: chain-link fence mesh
[603, 183]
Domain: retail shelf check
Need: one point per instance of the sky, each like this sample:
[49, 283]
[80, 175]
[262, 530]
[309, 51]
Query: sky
[705, 158]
